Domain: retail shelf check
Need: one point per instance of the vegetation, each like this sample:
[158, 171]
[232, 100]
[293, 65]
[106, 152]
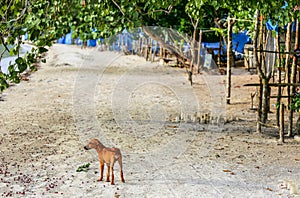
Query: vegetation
[83, 168]
[45, 21]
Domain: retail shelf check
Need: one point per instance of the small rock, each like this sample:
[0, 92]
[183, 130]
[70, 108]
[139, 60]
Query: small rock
[297, 138]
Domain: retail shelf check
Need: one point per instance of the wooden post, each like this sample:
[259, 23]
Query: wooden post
[120, 42]
[278, 100]
[252, 100]
[154, 52]
[279, 77]
[150, 50]
[199, 52]
[229, 55]
[140, 47]
[281, 129]
[293, 79]
[161, 52]
[287, 49]
[259, 106]
[219, 53]
[145, 48]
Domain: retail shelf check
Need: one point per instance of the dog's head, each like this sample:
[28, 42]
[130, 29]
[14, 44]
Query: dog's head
[93, 144]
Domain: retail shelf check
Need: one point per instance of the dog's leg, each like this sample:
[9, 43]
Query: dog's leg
[112, 175]
[121, 169]
[101, 171]
[107, 173]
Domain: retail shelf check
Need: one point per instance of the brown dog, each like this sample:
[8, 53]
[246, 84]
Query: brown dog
[108, 156]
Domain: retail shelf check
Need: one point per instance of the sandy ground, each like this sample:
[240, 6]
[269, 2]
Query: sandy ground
[149, 111]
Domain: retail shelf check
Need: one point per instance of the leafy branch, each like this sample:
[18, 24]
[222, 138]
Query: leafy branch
[83, 168]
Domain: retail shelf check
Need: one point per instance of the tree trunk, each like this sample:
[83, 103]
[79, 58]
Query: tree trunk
[257, 64]
[195, 25]
[259, 106]
[265, 101]
[264, 74]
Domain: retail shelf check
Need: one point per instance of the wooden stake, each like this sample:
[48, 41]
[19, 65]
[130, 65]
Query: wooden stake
[281, 127]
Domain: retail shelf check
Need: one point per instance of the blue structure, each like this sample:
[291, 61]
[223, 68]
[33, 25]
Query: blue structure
[127, 39]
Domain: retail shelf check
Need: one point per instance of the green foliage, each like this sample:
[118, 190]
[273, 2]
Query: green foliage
[84, 168]
[295, 105]
[277, 105]
[45, 21]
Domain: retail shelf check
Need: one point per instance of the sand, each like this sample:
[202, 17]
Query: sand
[150, 112]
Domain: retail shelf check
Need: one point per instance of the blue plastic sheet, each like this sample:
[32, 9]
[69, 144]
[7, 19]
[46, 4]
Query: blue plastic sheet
[61, 40]
[91, 43]
[68, 39]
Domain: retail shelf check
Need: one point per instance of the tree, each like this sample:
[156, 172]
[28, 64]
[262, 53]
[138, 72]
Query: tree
[45, 21]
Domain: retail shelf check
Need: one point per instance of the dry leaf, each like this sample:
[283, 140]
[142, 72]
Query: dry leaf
[171, 126]
[269, 189]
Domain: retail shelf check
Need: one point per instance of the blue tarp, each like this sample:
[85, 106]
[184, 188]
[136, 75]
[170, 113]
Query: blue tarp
[238, 42]
[61, 40]
[68, 39]
[124, 38]
[91, 43]
[26, 37]
[271, 26]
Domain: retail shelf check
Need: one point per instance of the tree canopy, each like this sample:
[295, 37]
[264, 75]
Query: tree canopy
[45, 21]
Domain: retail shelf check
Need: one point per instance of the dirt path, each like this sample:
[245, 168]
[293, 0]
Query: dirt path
[136, 106]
